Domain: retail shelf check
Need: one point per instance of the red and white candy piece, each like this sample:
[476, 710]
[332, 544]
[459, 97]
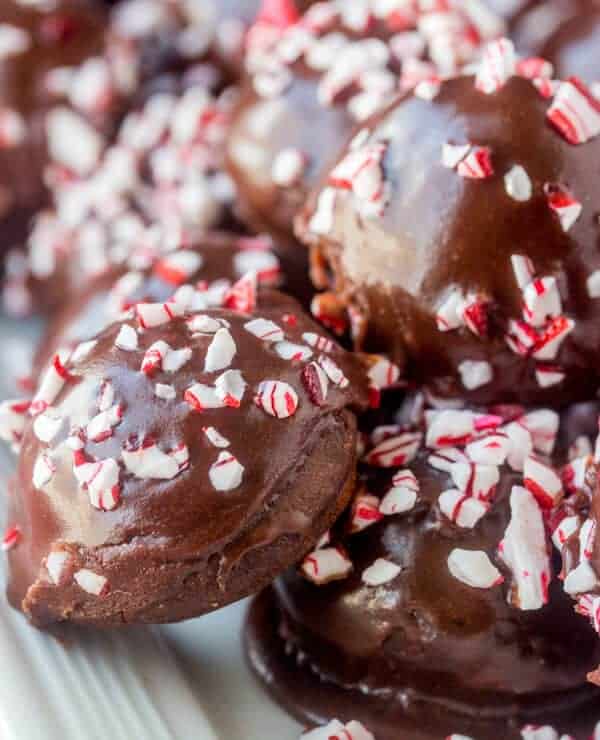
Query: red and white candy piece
[150, 315]
[524, 549]
[221, 352]
[293, 352]
[147, 461]
[383, 373]
[316, 382]
[562, 202]
[92, 583]
[547, 375]
[179, 266]
[398, 450]
[326, 564]
[165, 392]
[541, 301]
[226, 473]
[477, 165]
[551, 338]
[449, 427]
[380, 572]
[242, 295]
[335, 730]
[230, 387]
[333, 371]
[588, 605]
[402, 496]
[266, 330]
[498, 65]
[101, 480]
[277, 398]
[52, 383]
[101, 426]
[465, 511]
[474, 568]
[543, 481]
[201, 397]
[575, 112]
[318, 342]
[476, 479]
[12, 537]
[364, 512]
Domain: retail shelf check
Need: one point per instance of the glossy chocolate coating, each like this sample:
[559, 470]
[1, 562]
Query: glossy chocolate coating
[174, 549]
[424, 655]
[298, 118]
[62, 36]
[442, 232]
[574, 48]
[101, 300]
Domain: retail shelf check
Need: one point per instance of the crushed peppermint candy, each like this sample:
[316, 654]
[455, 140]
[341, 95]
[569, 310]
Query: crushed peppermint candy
[277, 398]
[524, 549]
[474, 568]
[325, 565]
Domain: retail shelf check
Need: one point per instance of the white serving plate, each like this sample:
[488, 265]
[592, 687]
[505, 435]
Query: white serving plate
[179, 682]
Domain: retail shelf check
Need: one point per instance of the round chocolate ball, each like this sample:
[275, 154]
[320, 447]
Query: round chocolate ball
[158, 186]
[49, 58]
[313, 77]
[458, 232]
[213, 264]
[435, 606]
[180, 460]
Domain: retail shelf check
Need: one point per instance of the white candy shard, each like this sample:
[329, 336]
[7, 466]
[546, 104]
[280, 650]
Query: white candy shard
[226, 473]
[524, 549]
[474, 568]
[380, 572]
[221, 352]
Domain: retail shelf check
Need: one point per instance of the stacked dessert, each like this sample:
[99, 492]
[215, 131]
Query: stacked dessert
[410, 473]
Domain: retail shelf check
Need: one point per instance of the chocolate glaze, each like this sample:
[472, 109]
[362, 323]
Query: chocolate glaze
[101, 300]
[566, 32]
[574, 48]
[63, 36]
[298, 118]
[425, 655]
[174, 549]
[441, 232]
